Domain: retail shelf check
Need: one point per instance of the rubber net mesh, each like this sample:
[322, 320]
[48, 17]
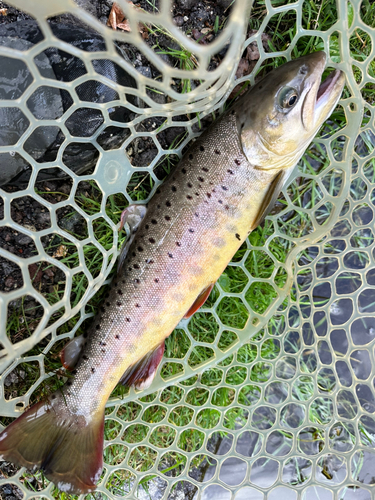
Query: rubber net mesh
[268, 391]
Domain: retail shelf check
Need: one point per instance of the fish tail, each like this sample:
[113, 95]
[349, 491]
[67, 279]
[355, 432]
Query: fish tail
[66, 446]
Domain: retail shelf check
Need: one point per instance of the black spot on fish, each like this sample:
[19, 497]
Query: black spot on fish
[237, 162]
[230, 171]
[147, 226]
[156, 280]
[170, 255]
[129, 269]
[115, 283]
[178, 243]
[128, 320]
[183, 170]
[158, 206]
[154, 221]
[196, 214]
[217, 152]
[107, 304]
[134, 254]
[102, 309]
[119, 303]
[85, 357]
[168, 203]
[117, 337]
[53, 396]
[92, 370]
[224, 188]
[85, 335]
[196, 194]
[201, 148]
[238, 236]
[151, 240]
[167, 217]
[140, 249]
[221, 202]
[136, 281]
[137, 305]
[158, 191]
[102, 343]
[74, 372]
[209, 195]
[136, 266]
[189, 197]
[191, 230]
[104, 351]
[205, 169]
[226, 207]
[200, 179]
[189, 185]
[232, 112]
[174, 189]
[190, 157]
[97, 327]
[69, 382]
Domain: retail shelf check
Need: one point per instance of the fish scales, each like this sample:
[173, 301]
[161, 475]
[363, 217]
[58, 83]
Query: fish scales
[222, 188]
[194, 224]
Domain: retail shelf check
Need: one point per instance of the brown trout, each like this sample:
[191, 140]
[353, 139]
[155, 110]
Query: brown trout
[222, 189]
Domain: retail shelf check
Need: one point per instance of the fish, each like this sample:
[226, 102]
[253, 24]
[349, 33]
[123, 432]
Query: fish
[181, 242]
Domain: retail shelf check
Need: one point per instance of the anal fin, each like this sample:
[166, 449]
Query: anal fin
[199, 301]
[142, 373]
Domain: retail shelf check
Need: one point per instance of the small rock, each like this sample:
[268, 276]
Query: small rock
[11, 379]
[9, 282]
[145, 71]
[7, 268]
[186, 4]
[179, 20]
[23, 239]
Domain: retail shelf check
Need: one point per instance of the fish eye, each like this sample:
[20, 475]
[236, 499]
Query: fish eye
[288, 97]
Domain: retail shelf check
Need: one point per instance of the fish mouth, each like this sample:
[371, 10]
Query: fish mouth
[322, 96]
[328, 84]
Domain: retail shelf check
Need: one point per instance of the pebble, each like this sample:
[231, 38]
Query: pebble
[179, 20]
[23, 239]
[145, 71]
[9, 282]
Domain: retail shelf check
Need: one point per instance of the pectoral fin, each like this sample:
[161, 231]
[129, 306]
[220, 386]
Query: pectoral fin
[270, 198]
[132, 216]
[142, 373]
[199, 301]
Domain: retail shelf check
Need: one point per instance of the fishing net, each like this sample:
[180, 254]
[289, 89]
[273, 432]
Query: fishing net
[268, 391]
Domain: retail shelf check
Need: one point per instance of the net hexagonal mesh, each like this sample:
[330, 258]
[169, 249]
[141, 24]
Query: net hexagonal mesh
[268, 391]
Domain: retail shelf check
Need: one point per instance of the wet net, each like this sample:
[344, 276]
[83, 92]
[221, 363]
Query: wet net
[267, 391]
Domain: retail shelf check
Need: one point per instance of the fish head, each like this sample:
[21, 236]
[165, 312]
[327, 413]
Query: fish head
[279, 116]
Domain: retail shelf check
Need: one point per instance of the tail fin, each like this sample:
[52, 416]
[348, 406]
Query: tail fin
[67, 446]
